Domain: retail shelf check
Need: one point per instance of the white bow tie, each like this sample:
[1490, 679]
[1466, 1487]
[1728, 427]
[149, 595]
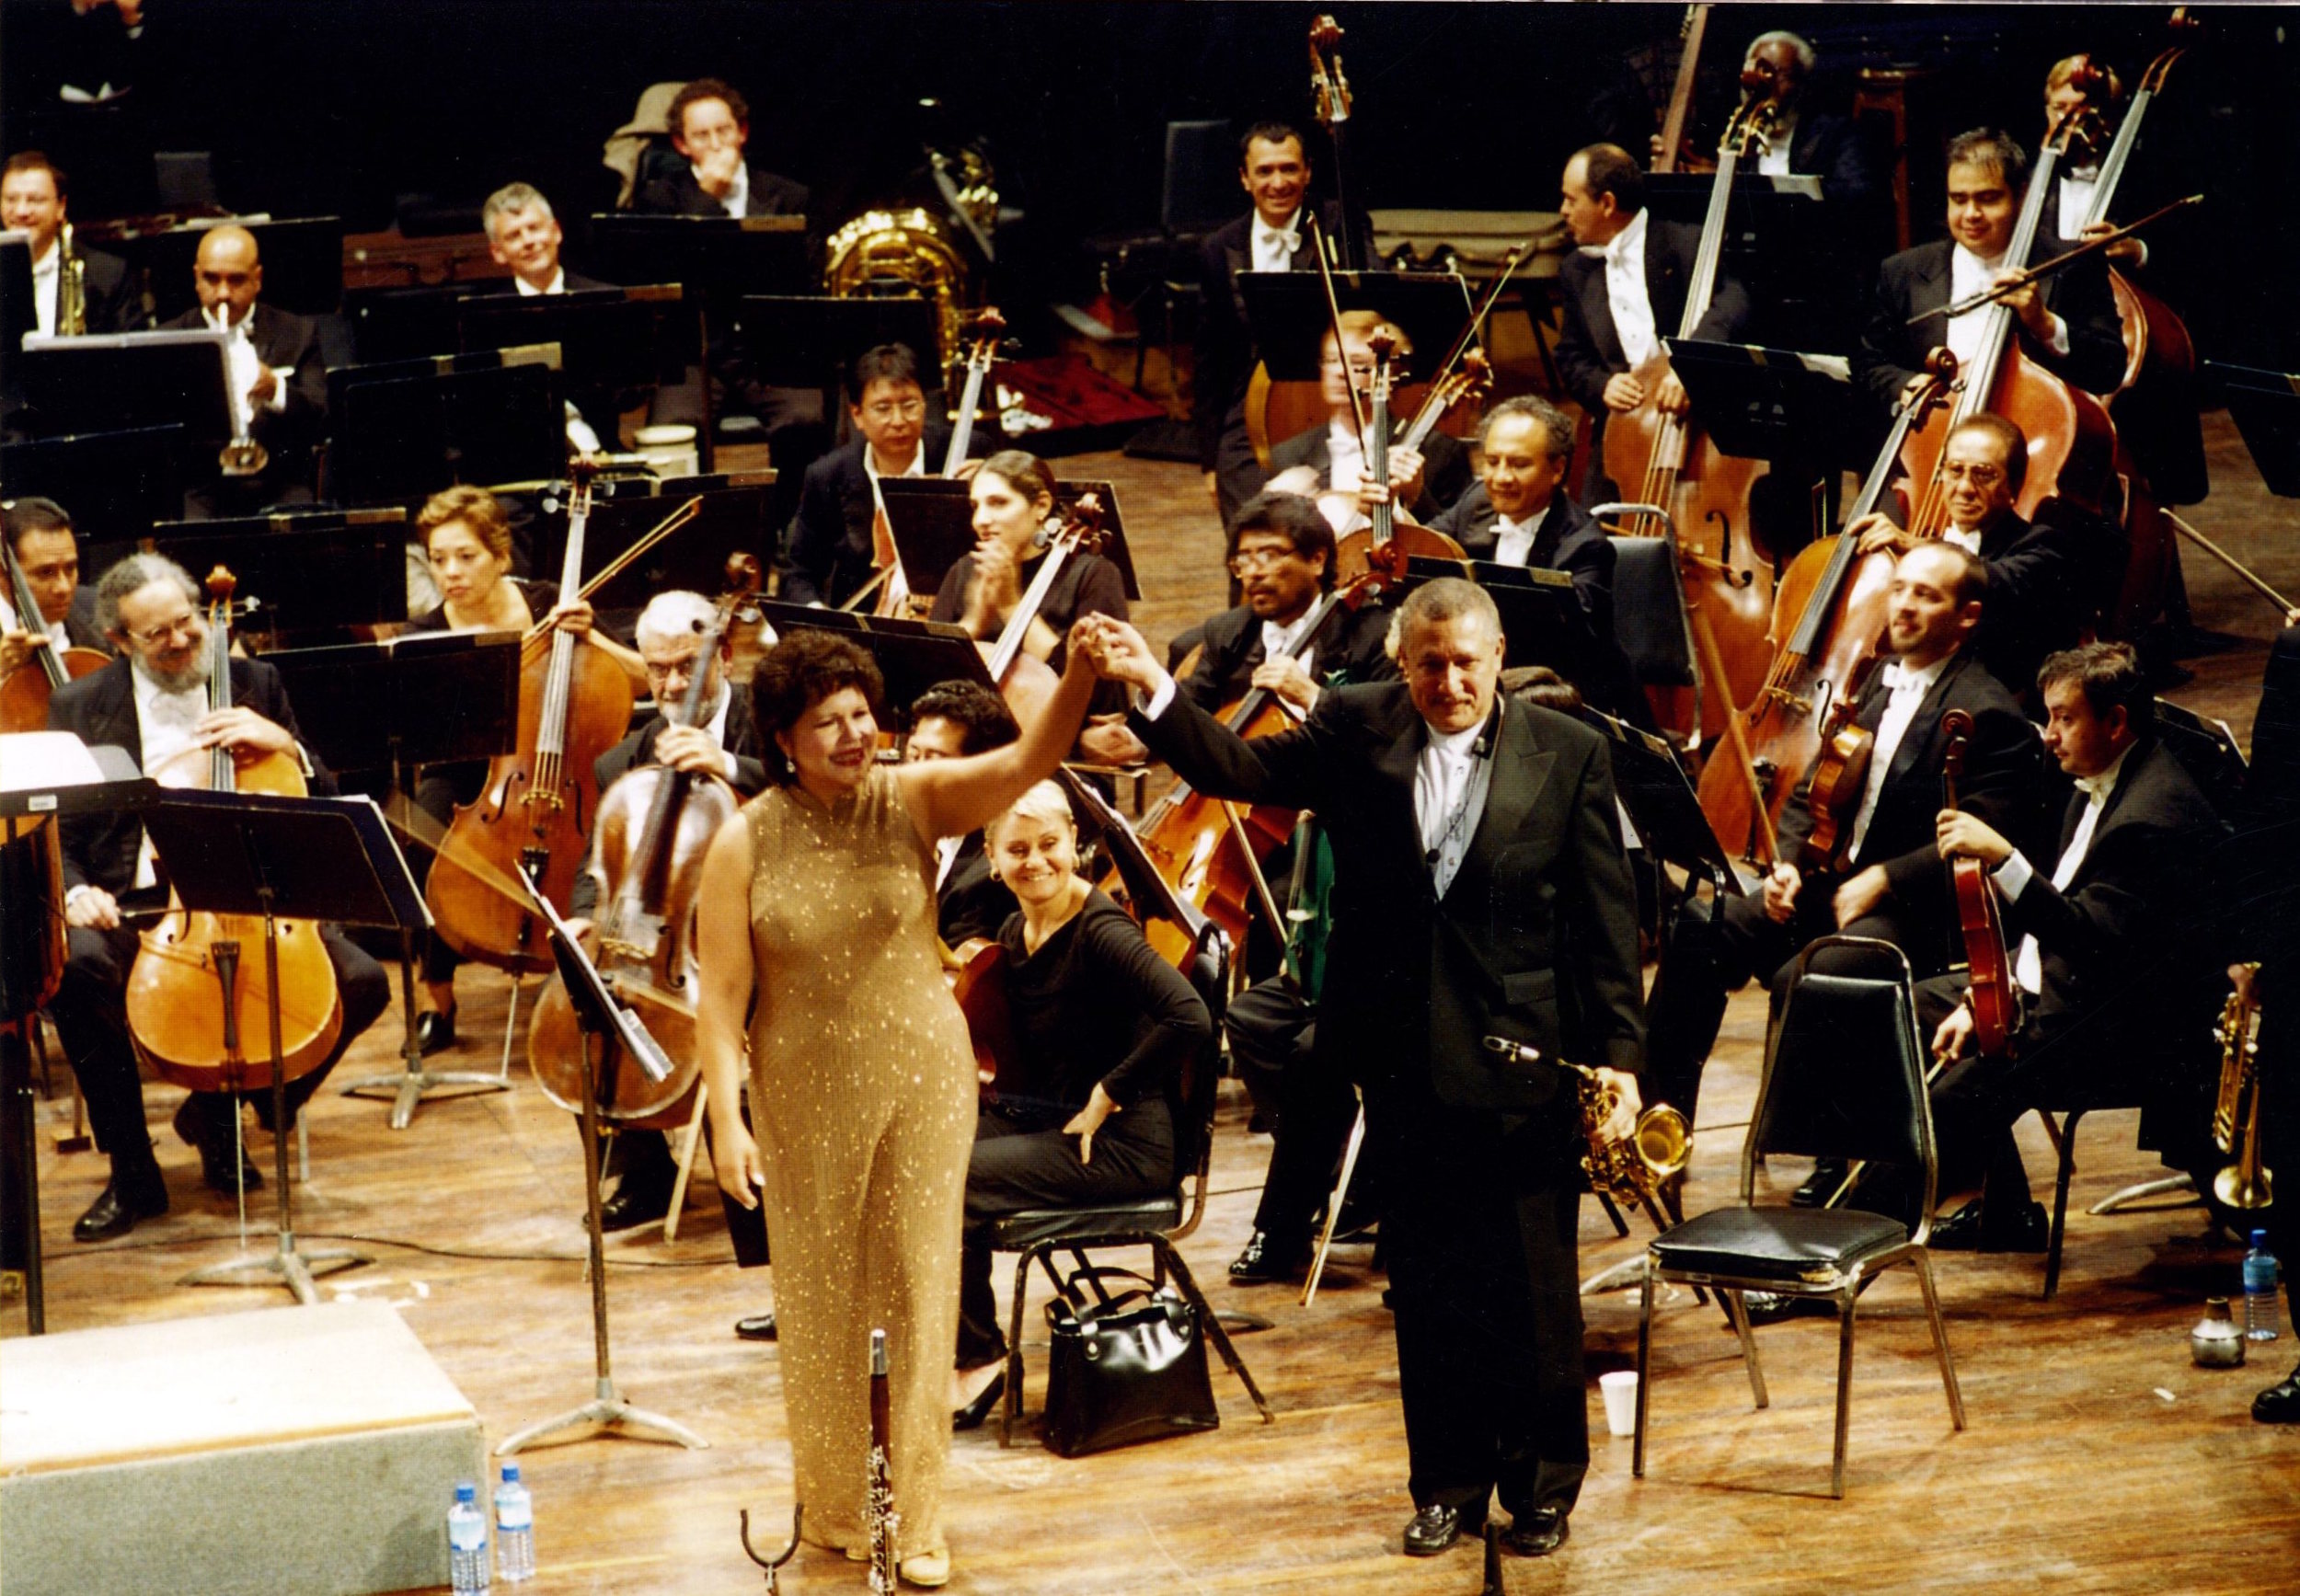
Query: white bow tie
[1265, 233]
[1899, 678]
[2096, 788]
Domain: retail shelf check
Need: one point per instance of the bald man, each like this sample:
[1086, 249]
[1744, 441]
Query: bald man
[279, 379]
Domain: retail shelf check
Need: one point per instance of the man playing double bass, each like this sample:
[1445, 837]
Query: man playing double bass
[1479, 889]
[152, 701]
[40, 538]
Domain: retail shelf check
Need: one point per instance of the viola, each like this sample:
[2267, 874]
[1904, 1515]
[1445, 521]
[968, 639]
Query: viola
[976, 970]
[1840, 774]
[199, 993]
[1992, 994]
[655, 827]
[24, 691]
[1391, 539]
[1024, 680]
[541, 800]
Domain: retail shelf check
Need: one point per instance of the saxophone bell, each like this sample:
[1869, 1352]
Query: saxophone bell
[1635, 1166]
[71, 287]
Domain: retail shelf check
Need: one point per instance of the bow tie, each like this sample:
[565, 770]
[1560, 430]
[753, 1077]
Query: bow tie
[1265, 233]
[1899, 678]
[2096, 788]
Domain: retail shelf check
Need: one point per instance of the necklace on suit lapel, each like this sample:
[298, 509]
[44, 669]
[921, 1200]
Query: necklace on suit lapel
[1480, 749]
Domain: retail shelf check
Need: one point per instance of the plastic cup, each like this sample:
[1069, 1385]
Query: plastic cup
[1620, 1391]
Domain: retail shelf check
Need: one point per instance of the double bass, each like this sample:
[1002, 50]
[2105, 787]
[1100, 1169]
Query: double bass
[199, 993]
[1992, 994]
[24, 691]
[655, 826]
[540, 800]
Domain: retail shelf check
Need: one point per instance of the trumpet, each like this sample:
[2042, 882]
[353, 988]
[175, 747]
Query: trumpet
[1635, 1166]
[243, 456]
[2246, 1182]
[71, 287]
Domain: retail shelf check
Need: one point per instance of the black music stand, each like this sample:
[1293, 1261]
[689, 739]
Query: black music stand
[306, 571]
[912, 655]
[1541, 619]
[602, 1021]
[609, 338]
[18, 314]
[109, 381]
[274, 858]
[406, 428]
[1789, 247]
[932, 521]
[116, 484]
[1662, 806]
[2265, 406]
[420, 699]
[1765, 404]
[799, 342]
[1288, 315]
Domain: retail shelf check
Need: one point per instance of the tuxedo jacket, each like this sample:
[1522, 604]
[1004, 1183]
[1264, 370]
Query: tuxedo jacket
[678, 194]
[79, 621]
[1831, 148]
[1535, 939]
[2048, 580]
[1225, 345]
[973, 902]
[827, 548]
[2004, 782]
[284, 338]
[1891, 352]
[99, 848]
[111, 304]
[1445, 470]
[741, 738]
[1589, 350]
[1230, 647]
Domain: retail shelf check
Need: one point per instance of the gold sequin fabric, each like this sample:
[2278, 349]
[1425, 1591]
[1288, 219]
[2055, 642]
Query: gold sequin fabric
[863, 1100]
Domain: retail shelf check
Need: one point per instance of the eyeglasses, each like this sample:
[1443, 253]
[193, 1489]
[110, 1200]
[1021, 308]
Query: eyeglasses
[153, 636]
[1979, 475]
[1257, 559]
[710, 138]
[890, 409]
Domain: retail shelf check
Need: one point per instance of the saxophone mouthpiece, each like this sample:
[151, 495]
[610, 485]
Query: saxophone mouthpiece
[1515, 1053]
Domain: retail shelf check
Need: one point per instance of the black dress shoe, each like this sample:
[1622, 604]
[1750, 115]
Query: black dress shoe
[1264, 1260]
[632, 1206]
[435, 1031]
[1828, 1174]
[1535, 1533]
[1973, 1229]
[216, 1146]
[118, 1206]
[2280, 1404]
[1772, 1307]
[757, 1327]
[1435, 1528]
[970, 1417]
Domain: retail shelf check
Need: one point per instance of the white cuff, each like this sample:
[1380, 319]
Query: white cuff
[2058, 342]
[77, 893]
[1156, 706]
[280, 376]
[2012, 876]
[727, 764]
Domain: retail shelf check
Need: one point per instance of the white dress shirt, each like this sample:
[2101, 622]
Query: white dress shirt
[1773, 160]
[1450, 783]
[1968, 275]
[47, 272]
[1273, 247]
[1966, 538]
[240, 349]
[1278, 641]
[2012, 876]
[165, 721]
[1514, 540]
[1625, 294]
[2078, 184]
[1345, 460]
[1908, 688]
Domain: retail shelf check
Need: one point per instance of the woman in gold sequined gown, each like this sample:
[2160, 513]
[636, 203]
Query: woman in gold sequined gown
[820, 895]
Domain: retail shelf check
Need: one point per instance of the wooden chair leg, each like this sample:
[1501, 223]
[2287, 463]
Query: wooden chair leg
[2067, 1166]
[1845, 1391]
[1923, 1265]
[688, 1140]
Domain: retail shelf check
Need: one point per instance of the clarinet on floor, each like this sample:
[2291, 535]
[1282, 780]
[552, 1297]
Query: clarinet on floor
[884, 1521]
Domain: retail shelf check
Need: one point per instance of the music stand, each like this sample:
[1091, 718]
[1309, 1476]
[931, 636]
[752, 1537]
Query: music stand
[1541, 619]
[601, 1019]
[302, 262]
[912, 655]
[1765, 404]
[18, 314]
[1290, 321]
[108, 381]
[609, 338]
[1662, 803]
[116, 484]
[814, 342]
[421, 699]
[307, 572]
[2265, 406]
[406, 429]
[932, 521]
[272, 858]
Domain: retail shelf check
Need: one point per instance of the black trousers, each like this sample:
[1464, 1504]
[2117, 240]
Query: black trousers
[1272, 1028]
[1023, 1160]
[90, 1012]
[1480, 1225]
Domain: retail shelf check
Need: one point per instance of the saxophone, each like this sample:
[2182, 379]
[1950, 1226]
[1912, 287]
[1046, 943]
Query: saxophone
[1635, 1166]
[71, 287]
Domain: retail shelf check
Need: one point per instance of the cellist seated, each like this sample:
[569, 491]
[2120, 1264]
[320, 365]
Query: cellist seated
[152, 701]
[1330, 455]
[2106, 948]
[1102, 1028]
[1878, 872]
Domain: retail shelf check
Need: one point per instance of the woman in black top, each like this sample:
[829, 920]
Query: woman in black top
[1103, 1028]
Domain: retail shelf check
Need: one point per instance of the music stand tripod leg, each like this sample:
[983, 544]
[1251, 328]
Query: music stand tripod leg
[410, 1082]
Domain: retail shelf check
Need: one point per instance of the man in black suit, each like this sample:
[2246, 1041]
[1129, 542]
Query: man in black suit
[710, 125]
[1479, 891]
[1519, 513]
[525, 235]
[1318, 459]
[1624, 290]
[33, 199]
[152, 701]
[2067, 323]
[41, 541]
[2048, 578]
[2106, 947]
[827, 551]
[1807, 141]
[1884, 878]
[276, 369]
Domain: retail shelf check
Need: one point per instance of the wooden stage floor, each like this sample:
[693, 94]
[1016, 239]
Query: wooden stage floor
[2098, 1459]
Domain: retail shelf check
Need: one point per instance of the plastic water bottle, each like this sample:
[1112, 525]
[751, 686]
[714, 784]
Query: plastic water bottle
[467, 1541]
[2260, 1291]
[514, 1529]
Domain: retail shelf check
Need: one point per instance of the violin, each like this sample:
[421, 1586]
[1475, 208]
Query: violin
[540, 800]
[24, 691]
[197, 1015]
[1992, 994]
[1672, 464]
[655, 826]
[1024, 680]
[1390, 539]
[1840, 775]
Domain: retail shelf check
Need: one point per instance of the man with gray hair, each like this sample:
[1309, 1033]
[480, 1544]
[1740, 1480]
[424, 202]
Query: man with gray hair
[1479, 891]
[154, 701]
[525, 235]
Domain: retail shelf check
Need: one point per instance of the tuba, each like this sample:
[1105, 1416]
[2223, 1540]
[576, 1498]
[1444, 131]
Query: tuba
[1634, 1167]
[2245, 1183]
[71, 287]
[902, 255]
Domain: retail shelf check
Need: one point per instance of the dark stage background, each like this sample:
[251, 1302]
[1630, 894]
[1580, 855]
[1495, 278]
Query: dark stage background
[352, 107]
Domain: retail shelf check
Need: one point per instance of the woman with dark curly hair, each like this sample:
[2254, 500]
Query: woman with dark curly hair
[819, 899]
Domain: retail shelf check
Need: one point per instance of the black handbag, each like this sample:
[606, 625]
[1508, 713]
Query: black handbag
[1123, 1369]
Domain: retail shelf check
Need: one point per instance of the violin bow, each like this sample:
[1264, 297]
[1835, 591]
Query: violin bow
[1333, 315]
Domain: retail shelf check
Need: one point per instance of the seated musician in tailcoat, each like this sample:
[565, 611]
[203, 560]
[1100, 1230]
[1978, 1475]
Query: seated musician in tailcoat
[1884, 877]
[2067, 323]
[1102, 1030]
[1422, 480]
[952, 720]
[47, 551]
[33, 200]
[710, 128]
[2048, 578]
[1519, 513]
[2107, 947]
[152, 701]
[525, 236]
[827, 552]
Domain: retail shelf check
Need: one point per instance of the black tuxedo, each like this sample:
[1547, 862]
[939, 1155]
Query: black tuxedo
[2260, 892]
[1589, 350]
[678, 194]
[1230, 647]
[1535, 939]
[1890, 351]
[1445, 470]
[1831, 148]
[110, 303]
[79, 621]
[827, 548]
[973, 902]
[2048, 580]
[291, 434]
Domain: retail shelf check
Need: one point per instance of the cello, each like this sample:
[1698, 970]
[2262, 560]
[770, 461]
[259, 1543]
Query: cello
[655, 826]
[24, 691]
[1992, 994]
[192, 1006]
[1671, 463]
[539, 805]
